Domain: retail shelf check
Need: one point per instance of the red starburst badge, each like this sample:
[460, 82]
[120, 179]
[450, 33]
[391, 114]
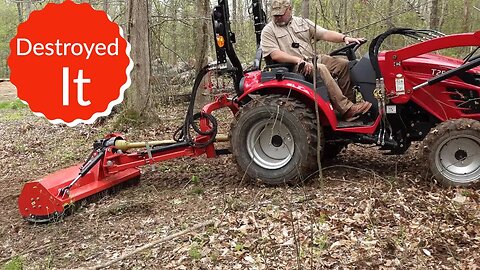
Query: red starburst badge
[70, 63]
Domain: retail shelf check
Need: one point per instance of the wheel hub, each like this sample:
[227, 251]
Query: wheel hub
[270, 144]
[277, 141]
[461, 155]
[459, 158]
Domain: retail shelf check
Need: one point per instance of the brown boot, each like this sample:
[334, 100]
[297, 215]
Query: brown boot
[356, 110]
[367, 108]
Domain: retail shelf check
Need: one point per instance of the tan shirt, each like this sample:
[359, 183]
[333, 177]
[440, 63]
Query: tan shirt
[298, 30]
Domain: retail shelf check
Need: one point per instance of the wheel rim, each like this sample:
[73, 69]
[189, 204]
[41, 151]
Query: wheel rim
[270, 144]
[458, 158]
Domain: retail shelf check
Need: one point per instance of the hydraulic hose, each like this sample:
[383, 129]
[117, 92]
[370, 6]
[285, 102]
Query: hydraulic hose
[420, 35]
[377, 42]
[182, 134]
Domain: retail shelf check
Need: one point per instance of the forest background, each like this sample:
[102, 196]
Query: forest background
[373, 210]
[180, 36]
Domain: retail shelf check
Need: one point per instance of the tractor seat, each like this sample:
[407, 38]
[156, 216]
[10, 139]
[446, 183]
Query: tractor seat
[270, 64]
[284, 71]
[282, 68]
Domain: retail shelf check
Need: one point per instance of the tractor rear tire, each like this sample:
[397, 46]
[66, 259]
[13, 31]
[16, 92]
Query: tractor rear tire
[452, 150]
[274, 139]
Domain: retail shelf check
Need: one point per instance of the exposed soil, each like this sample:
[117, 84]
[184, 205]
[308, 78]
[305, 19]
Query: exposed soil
[7, 91]
[370, 210]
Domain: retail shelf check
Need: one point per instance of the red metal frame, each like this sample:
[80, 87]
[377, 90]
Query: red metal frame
[40, 199]
[413, 63]
[408, 62]
[254, 85]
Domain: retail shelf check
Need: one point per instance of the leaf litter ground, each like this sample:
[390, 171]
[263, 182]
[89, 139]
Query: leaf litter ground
[371, 211]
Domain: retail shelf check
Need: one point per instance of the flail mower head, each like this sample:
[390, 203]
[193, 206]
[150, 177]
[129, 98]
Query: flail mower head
[50, 197]
[40, 200]
[111, 166]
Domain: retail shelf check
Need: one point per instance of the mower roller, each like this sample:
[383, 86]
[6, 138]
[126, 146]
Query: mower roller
[417, 95]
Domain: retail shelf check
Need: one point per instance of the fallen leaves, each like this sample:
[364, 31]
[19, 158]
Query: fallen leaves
[387, 219]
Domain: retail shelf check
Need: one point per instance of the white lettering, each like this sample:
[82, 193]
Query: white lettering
[38, 49]
[58, 48]
[19, 52]
[65, 88]
[80, 81]
[49, 49]
[100, 49]
[65, 46]
[436, 72]
[58, 45]
[79, 49]
[89, 50]
[115, 46]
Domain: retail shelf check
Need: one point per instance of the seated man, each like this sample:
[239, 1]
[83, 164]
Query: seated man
[288, 39]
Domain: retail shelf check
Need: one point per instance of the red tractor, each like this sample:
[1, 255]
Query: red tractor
[276, 137]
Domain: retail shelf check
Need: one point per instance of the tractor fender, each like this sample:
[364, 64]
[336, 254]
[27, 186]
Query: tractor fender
[298, 90]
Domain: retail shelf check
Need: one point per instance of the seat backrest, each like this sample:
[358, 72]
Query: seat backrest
[257, 62]
[273, 64]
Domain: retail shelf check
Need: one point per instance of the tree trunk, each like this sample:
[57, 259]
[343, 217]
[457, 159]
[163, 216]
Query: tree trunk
[28, 9]
[20, 12]
[138, 96]
[337, 16]
[434, 16]
[390, 7]
[305, 8]
[201, 47]
[202, 36]
[442, 16]
[173, 57]
[105, 6]
[234, 10]
[266, 7]
[466, 15]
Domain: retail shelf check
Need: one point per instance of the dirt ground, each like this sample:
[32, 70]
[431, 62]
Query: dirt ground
[370, 211]
[7, 91]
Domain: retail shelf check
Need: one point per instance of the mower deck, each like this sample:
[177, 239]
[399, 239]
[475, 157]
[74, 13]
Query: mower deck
[40, 201]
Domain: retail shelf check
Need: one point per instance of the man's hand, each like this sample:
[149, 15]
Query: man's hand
[306, 69]
[349, 40]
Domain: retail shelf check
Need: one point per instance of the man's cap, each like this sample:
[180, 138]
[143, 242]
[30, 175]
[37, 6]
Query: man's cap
[280, 6]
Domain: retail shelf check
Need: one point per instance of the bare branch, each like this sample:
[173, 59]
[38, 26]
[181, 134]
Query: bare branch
[153, 243]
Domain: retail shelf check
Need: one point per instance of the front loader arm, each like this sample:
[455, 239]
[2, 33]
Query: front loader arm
[450, 41]
[393, 59]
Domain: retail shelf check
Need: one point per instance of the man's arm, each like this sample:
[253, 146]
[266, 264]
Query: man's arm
[320, 33]
[283, 57]
[336, 37]
[333, 36]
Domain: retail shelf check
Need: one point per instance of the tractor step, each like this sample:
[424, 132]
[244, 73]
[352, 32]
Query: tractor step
[357, 123]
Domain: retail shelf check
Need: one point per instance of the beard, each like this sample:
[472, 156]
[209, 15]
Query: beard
[283, 23]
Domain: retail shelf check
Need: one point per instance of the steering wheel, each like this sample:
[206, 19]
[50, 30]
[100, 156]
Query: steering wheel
[349, 50]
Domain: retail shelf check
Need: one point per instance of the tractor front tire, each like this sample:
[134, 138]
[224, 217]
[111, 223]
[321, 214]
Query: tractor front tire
[452, 150]
[274, 140]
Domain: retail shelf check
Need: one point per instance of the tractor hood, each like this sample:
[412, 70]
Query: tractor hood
[434, 64]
